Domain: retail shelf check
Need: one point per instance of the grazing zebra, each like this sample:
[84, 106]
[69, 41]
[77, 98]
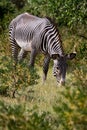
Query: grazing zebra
[34, 34]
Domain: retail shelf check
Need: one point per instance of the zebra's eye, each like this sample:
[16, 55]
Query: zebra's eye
[57, 68]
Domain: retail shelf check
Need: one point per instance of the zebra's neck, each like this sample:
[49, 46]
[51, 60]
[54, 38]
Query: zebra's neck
[51, 40]
[55, 45]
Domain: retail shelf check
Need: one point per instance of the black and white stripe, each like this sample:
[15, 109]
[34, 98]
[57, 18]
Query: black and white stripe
[34, 34]
[41, 31]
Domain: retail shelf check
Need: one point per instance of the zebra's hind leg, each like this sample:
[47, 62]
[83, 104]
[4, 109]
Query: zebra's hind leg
[46, 67]
[32, 58]
[22, 54]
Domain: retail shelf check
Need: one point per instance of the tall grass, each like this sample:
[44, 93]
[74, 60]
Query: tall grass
[39, 106]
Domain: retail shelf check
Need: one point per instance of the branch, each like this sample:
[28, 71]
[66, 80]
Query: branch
[80, 35]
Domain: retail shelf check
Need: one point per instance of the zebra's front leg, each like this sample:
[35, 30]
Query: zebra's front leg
[46, 67]
[32, 58]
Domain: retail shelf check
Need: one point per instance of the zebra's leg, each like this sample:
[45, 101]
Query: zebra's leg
[32, 58]
[22, 54]
[46, 67]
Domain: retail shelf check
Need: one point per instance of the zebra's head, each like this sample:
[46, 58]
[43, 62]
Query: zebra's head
[60, 66]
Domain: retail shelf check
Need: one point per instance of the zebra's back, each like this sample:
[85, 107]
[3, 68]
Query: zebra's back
[28, 28]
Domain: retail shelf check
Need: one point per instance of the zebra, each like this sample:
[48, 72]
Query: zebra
[39, 35]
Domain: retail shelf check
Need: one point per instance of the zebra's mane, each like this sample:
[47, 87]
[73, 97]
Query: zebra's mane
[53, 22]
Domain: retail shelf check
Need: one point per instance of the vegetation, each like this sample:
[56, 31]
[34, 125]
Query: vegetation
[27, 104]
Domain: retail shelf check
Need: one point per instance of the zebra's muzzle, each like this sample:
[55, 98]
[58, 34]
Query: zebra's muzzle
[62, 83]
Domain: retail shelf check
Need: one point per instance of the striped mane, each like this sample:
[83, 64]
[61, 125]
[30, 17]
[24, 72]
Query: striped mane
[53, 22]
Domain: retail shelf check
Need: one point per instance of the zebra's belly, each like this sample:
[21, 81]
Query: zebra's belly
[25, 45]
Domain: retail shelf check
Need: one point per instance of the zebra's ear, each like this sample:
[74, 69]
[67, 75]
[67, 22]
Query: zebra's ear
[54, 56]
[71, 56]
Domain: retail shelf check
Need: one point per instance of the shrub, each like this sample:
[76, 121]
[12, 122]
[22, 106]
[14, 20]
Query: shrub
[20, 118]
[72, 112]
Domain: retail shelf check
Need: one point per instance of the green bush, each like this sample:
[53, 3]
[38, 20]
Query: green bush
[7, 11]
[72, 111]
[20, 118]
[11, 79]
[67, 12]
